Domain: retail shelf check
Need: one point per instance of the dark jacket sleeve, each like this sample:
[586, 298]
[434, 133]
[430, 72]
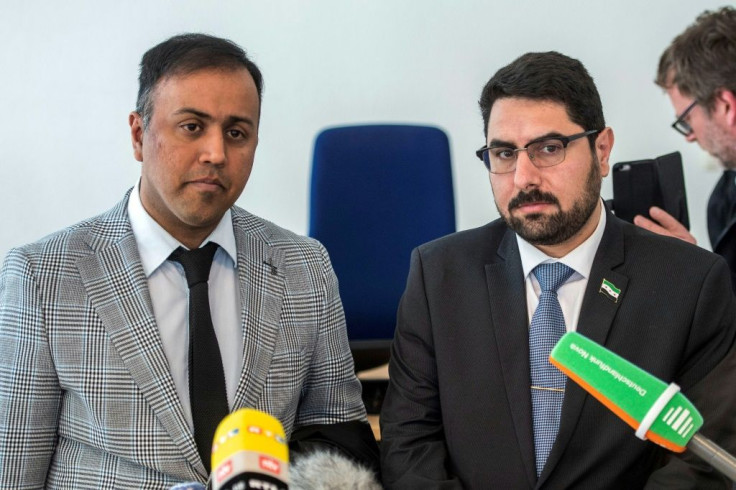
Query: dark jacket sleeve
[707, 379]
[353, 439]
[726, 248]
[413, 450]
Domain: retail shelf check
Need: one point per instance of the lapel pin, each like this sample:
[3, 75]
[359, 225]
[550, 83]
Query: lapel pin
[269, 263]
[609, 290]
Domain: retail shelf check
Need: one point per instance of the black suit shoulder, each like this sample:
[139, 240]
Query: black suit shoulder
[647, 250]
[476, 244]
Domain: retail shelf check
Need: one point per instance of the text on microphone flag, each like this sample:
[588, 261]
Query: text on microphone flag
[634, 395]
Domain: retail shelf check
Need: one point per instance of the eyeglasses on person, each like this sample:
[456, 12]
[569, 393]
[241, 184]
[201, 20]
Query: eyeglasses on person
[543, 152]
[681, 126]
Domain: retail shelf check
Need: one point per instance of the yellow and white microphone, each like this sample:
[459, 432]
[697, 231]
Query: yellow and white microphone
[250, 452]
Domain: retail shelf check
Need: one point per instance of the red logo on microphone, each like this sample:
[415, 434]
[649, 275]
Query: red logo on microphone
[224, 470]
[269, 464]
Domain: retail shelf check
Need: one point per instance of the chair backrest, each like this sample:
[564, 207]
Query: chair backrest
[377, 192]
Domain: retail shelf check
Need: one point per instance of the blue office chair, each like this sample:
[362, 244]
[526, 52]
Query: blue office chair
[377, 192]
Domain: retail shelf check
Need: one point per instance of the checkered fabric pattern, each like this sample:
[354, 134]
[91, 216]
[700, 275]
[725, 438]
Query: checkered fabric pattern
[86, 397]
[548, 383]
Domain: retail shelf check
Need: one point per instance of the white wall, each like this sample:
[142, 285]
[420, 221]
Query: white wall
[69, 72]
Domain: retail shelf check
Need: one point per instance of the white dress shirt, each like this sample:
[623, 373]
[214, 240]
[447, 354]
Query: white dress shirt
[572, 291]
[170, 297]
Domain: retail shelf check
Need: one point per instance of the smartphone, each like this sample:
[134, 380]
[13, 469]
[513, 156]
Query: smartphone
[641, 184]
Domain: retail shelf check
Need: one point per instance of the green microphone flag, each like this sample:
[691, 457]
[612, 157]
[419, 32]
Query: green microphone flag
[657, 411]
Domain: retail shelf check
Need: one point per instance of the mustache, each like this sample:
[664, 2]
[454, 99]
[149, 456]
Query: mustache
[535, 195]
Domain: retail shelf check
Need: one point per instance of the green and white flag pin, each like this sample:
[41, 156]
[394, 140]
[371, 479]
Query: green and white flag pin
[609, 290]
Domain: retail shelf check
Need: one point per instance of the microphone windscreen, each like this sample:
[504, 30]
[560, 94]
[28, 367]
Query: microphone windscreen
[250, 451]
[326, 469]
[636, 396]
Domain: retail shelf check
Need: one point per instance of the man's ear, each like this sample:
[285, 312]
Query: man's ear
[135, 121]
[603, 146]
[726, 107]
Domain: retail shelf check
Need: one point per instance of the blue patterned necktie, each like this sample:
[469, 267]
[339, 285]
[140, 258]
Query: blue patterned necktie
[548, 383]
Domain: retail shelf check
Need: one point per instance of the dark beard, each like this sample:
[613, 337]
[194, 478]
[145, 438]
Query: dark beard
[541, 229]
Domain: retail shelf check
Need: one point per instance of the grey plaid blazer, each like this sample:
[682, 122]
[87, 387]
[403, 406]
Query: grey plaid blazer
[86, 397]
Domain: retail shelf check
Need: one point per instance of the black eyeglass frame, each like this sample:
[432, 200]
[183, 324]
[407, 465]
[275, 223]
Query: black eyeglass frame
[565, 140]
[680, 125]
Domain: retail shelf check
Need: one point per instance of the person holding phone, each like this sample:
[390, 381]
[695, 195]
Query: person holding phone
[698, 72]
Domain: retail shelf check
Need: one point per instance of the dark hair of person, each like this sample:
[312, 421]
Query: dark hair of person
[702, 59]
[185, 54]
[549, 76]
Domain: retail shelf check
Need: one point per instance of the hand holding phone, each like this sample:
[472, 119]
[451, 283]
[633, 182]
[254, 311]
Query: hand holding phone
[663, 223]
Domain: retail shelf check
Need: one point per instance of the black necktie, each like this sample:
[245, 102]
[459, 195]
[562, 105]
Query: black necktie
[207, 393]
[721, 206]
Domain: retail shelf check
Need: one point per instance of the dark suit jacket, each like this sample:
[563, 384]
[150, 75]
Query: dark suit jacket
[722, 234]
[725, 246]
[458, 410]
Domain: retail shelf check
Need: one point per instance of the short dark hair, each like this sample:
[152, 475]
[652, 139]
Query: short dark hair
[184, 54]
[702, 59]
[547, 76]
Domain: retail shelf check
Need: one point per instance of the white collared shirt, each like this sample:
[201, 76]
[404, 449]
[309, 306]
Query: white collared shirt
[170, 297]
[572, 291]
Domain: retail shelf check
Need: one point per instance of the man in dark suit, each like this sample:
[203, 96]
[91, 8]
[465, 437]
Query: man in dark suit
[464, 409]
[698, 71]
[98, 356]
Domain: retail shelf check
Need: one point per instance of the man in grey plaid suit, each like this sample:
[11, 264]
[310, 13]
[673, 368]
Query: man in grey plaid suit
[93, 319]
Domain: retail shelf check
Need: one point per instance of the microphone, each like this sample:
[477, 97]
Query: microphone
[657, 411]
[250, 452]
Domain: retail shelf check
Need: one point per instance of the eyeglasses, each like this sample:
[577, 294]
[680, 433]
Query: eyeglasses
[681, 126]
[543, 152]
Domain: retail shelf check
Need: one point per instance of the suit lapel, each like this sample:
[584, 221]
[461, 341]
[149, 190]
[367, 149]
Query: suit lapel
[722, 239]
[596, 318]
[510, 326]
[262, 275]
[118, 291]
